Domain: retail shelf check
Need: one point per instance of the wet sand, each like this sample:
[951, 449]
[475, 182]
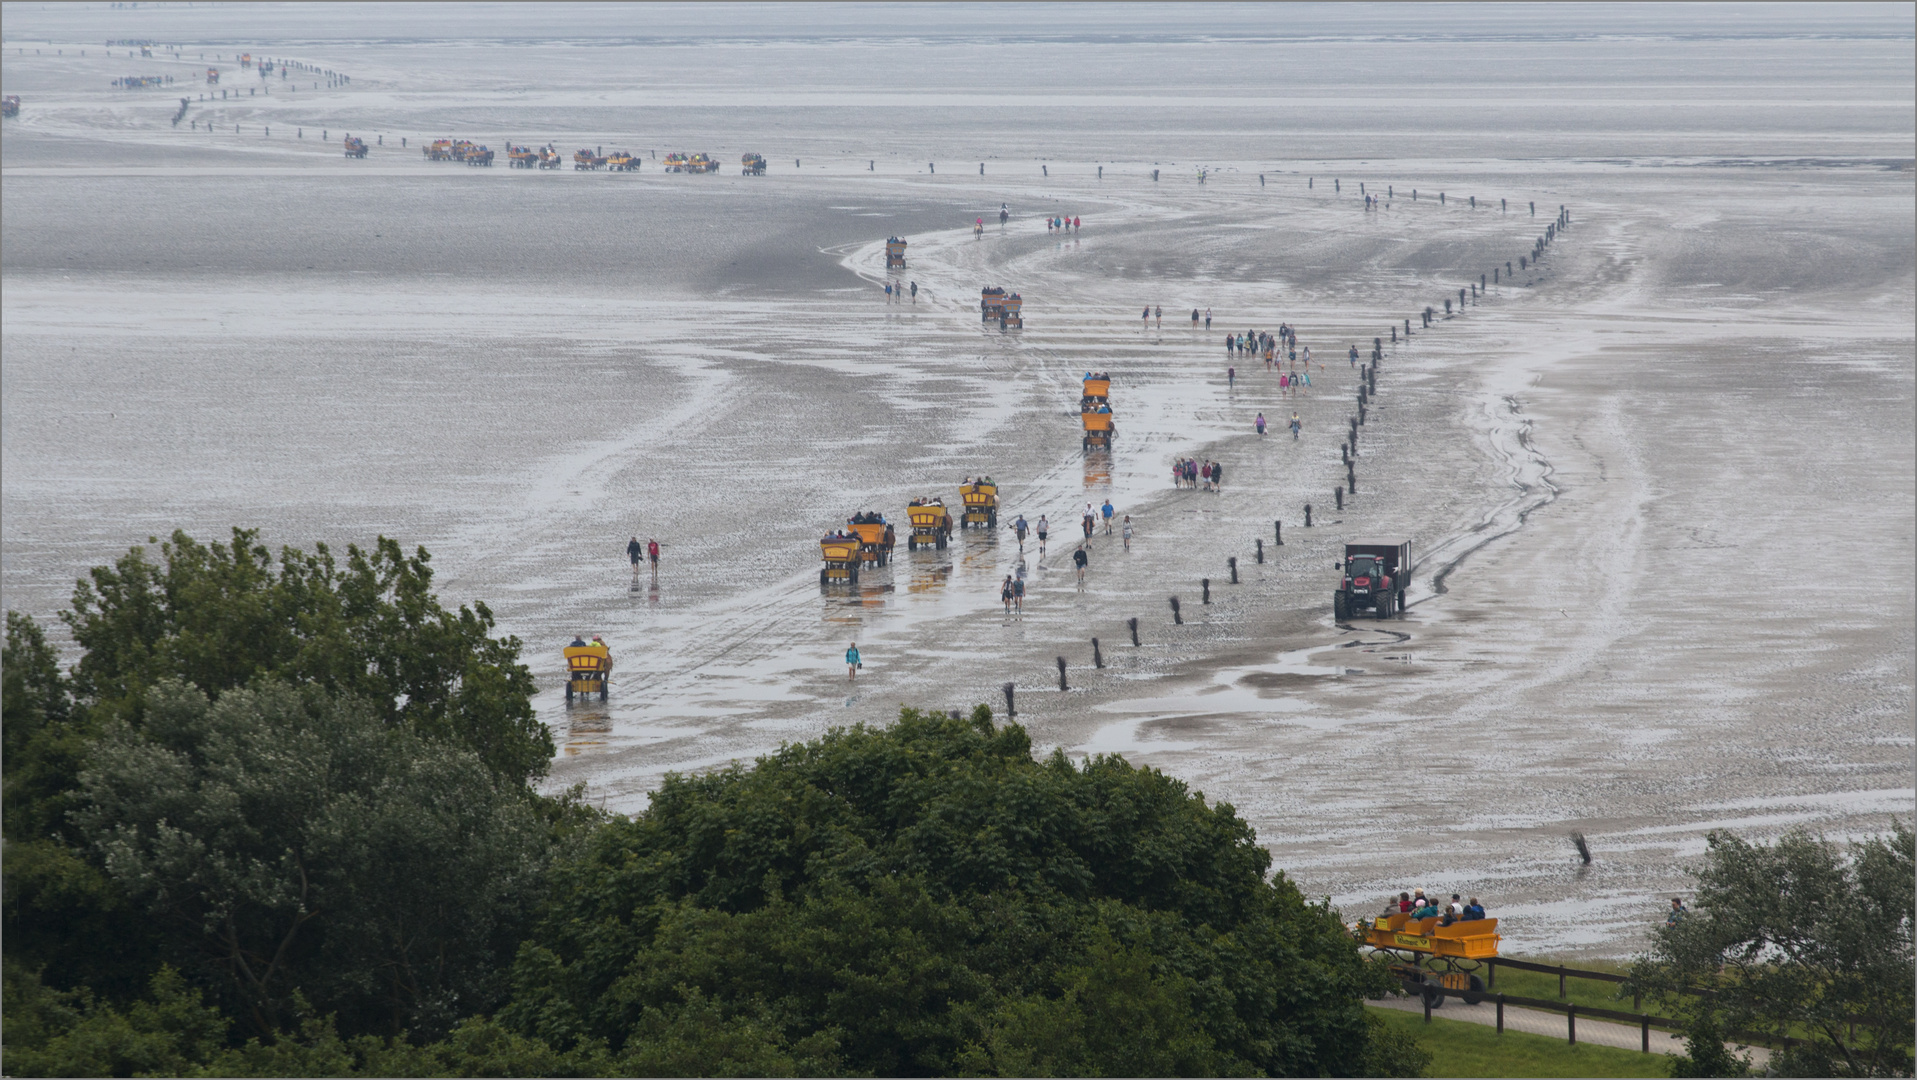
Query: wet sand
[1643, 483]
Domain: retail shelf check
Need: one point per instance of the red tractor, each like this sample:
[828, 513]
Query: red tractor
[1374, 576]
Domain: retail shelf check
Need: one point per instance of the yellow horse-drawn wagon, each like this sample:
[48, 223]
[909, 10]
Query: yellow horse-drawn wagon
[588, 671]
[931, 524]
[997, 303]
[875, 538]
[981, 503]
[841, 555]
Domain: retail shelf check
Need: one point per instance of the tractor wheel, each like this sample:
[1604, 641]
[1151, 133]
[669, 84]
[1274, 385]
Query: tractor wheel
[1381, 605]
[1475, 993]
[992, 520]
[853, 579]
[1400, 603]
[911, 545]
[823, 577]
[569, 693]
[1434, 996]
[1339, 610]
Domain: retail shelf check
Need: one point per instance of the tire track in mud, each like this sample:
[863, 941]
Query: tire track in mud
[1507, 434]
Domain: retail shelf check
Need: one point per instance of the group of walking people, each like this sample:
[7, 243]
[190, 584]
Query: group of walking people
[1060, 224]
[1190, 473]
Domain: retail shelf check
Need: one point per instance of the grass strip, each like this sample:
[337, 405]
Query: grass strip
[1460, 1048]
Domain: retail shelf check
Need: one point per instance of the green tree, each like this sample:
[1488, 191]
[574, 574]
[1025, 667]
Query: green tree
[53, 1032]
[928, 899]
[217, 616]
[289, 842]
[61, 913]
[1797, 939]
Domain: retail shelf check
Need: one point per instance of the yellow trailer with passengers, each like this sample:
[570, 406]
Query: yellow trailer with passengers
[588, 671]
[1426, 953]
[931, 524]
[842, 557]
[981, 504]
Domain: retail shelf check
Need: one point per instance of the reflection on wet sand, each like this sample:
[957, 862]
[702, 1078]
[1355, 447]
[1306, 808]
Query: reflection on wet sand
[1098, 469]
[861, 597]
[929, 578]
[586, 727]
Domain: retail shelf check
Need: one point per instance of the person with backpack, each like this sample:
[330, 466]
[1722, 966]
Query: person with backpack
[1261, 425]
[852, 662]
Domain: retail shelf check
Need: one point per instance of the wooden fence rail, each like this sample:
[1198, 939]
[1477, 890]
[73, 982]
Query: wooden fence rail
[1571, 1011]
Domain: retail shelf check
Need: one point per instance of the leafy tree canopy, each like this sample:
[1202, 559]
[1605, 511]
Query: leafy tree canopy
[928, 899]
[287, 841]
[1798, 939]
[217, 616]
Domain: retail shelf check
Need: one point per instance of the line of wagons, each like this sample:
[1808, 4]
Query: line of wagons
[583, 160]
[868, 539]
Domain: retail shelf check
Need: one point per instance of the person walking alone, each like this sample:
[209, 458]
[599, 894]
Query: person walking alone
[1078, 561]
[1127, 531]
[1043, 528]
[1018, 527]
[1295, 425]
[852, 662]
[1161, 317]
[1107, 511]
[1231, 378]
[1261, 425]
[1208, 318]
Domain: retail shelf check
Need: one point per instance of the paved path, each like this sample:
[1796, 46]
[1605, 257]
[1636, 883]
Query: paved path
[1552, 1025]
